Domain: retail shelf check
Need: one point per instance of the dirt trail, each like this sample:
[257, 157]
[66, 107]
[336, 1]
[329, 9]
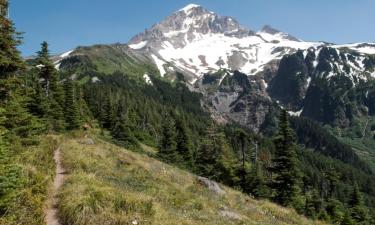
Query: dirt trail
[51, 210]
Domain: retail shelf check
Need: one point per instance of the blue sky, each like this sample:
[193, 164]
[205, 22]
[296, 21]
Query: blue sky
[66, 24]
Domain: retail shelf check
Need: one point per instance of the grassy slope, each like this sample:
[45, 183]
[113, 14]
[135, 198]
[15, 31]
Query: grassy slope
[111, 58]
[111, 185]
[36, 171]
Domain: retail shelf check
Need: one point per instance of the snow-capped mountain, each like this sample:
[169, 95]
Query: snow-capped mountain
[196, 41]
[243, 75]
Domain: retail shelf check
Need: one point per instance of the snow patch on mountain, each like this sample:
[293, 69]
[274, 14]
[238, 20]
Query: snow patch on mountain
[57, 65]
[66, 54]
[187, 8]
[139, 45]
[159, 63]
[365, 48]
[147, 79]
[95, 79]
[211, 52]
[296, 113]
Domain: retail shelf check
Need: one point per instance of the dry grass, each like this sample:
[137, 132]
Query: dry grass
[111, 185]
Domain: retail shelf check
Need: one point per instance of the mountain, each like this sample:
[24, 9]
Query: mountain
[197, 41]
[247, 76]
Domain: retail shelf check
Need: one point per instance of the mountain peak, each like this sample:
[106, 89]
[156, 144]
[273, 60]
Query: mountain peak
[188, 7]
[267, 29]
[270, 30]
[189, 23]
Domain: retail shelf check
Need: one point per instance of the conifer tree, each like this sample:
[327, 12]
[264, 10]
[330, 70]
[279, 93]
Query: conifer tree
[358, 211]
[167, 145]
[257, 184]
[313, 204]
[242, 145]
[347, 220]
[335, 210]
[287, 180]
[121, 131]
[183, 143]
[47, 71]
[206, 154]
[38, 104]
[71, 113]
[214, 157]
[10, 59]
[107, 112]
[224, 163]
[52, 89]
[20, 124]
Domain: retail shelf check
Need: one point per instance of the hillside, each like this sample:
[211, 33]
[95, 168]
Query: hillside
[107, 184]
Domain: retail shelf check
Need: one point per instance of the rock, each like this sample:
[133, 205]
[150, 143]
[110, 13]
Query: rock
[86, 141]
[230, 214]
[211, 185]
[90, 141]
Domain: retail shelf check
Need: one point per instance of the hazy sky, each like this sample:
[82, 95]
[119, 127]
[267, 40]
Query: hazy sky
[66, 24]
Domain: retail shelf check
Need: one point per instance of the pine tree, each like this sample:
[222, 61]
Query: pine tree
[224, 163]
[257, 184]
[20, 124]
[184, 146]
[347, 220]
[215, 159]
[358, 210]
[47, 71]
[335, 210]
[167, 145]
[333, 177]
[242, 145]
[107, 112]
[71, 113]
[206, 154]
[313, 204]
[53, 92]
[38, 104]
[10, 59]
[121, 130]
[287, 180]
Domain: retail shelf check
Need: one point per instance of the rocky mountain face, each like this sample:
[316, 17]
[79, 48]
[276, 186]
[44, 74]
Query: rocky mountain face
[245, 76]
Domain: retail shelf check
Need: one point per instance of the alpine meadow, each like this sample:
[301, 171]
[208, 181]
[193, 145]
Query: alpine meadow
[196, 120]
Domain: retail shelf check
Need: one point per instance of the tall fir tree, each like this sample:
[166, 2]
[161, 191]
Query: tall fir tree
[257, 184]
[71, 113]
[167, 145]
[183, 143]
[48, 79]
[224, 164]
[121, 130]
[206, 155]
[215, 160]
[47, 70]
[358, 212]
[285, 166]
[21, 125]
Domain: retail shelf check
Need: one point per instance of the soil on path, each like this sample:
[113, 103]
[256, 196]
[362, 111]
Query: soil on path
[51, 217]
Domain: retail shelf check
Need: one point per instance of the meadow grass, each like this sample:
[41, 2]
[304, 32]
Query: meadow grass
[36, 170]
[107, 184]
